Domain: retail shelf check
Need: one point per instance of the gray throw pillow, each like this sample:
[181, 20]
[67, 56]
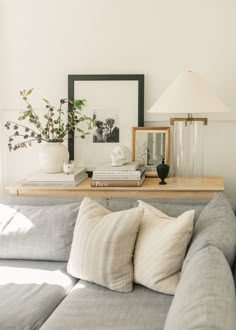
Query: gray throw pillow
[37, 232]
[205, 297]
[216, 226]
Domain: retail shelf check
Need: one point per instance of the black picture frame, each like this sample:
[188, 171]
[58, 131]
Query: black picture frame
[85, 78]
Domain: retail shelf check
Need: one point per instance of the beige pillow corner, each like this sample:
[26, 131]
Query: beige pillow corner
[103, 245]
[160, 248]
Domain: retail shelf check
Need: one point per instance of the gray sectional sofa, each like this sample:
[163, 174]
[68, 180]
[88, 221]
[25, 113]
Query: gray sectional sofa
[36, 291]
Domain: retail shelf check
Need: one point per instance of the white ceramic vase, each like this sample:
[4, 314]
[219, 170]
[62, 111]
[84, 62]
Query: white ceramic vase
[52, 155]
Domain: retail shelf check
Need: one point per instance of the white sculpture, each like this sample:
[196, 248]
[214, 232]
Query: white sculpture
[120, 155]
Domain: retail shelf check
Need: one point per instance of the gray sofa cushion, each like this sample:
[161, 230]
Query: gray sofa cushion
[41, 241]
[205, 297]
[172, 207]
[30, 291]
[215, 226]
[37, 232]
[89, 306]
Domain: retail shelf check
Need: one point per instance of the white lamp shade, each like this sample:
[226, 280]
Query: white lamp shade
[188, 93]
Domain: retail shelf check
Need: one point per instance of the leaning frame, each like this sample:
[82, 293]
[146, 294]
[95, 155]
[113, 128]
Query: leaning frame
[76, 82]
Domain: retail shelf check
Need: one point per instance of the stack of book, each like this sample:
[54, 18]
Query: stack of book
[131, 174]
[40, 178]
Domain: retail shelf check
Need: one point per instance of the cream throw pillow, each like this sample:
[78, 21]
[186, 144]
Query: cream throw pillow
[160, 248]
[103, 245]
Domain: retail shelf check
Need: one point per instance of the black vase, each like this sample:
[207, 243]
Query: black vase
[163, 171]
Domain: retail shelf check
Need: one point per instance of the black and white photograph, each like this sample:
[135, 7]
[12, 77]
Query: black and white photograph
[117, 104]
[106, 128]
[151, 146]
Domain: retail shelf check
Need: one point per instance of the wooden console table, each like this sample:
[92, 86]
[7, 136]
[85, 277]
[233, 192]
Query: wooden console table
[176, 187]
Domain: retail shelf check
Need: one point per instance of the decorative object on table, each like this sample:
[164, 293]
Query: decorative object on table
[131, 174]
[40, 178]
[150, 145]
[117, 103]
[163, 171]
[189, 94]
[69, 167]
[53, 128]
[52, 155]
[107, 166]
[120, 155]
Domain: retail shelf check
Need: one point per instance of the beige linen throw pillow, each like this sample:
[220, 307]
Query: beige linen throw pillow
[103, 245]
[160, 248]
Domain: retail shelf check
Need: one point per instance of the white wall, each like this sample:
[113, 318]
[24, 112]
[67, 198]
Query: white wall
[1, 157]
[42, 41]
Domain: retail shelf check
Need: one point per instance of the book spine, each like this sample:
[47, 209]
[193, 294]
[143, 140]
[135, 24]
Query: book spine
[116, 183]
[48, 183]
[131, 166]
[98, 172]
[116, 177]
[56, 178]
[60, 177]
[119, 172]
[55, 183]
[121, 175]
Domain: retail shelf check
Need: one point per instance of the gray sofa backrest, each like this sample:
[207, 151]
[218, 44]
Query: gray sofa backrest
[205, 297]
[48, 223]
[37, 232]
[216, 226]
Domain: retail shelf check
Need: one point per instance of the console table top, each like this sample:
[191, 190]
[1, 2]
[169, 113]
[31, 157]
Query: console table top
[176, 187]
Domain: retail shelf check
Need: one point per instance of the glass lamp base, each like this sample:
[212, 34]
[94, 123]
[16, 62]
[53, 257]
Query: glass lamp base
[188, 148]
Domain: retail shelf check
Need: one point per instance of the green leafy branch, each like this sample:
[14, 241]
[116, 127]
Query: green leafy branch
[54, 127]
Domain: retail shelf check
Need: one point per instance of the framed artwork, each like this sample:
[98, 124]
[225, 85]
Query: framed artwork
[150, 145]
[117, 103]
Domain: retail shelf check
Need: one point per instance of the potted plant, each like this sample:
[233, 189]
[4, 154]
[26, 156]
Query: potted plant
[54, 127]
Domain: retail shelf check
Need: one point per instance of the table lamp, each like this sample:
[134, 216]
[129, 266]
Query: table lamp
[189, 93]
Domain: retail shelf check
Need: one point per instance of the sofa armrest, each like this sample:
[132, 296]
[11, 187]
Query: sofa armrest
[205, 296]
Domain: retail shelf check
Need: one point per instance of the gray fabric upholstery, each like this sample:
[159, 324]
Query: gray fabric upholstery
[30, 291]
[37, 232]
[205, 296]
[234, 272]
[33, 200]
[89, 306]
[215, 226]
[172, 207]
